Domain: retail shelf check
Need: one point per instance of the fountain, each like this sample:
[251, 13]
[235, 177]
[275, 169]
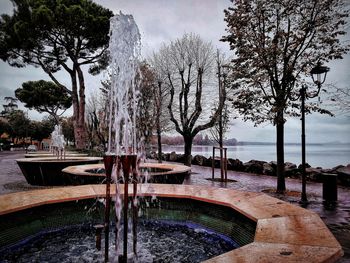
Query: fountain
[57, 143]
[46, 169]
[57, 147]
[160, 173]
[123, 154]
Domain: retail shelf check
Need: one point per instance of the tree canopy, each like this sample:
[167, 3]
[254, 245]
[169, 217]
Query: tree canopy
[44, 96]
[39, 130]
[10, 107]
[276, 43]
[48, 33]
[19, 124]
[55, 35]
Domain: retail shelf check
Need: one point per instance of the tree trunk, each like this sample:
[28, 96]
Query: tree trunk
[188, 150]
[56, 118]
[159, 138]
[80, 136]
[80, 133]
[281, 185]
[159, 129]
[75, 103]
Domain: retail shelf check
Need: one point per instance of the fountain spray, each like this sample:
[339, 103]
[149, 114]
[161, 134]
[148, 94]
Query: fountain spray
[121, 158]
[57, 143]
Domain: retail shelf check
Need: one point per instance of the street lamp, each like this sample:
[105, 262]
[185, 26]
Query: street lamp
[318, 75]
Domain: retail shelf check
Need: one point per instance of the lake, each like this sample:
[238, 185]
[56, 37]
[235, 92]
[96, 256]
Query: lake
[317, 155]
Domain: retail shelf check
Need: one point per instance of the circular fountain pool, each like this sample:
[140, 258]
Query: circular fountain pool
[163, 173]
[169, 230]
[48, 170]
[50, 154]
[282, 232]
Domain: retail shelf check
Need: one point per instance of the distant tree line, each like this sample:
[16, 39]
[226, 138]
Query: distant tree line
[18, 129]
[199, 139]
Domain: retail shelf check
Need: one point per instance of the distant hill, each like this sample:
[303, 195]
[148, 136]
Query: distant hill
[272, 143]
[205, 140]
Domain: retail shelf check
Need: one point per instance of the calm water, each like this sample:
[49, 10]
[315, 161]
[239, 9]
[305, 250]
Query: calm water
[325, 156]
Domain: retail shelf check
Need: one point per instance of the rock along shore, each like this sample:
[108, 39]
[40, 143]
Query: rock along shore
[266, 168]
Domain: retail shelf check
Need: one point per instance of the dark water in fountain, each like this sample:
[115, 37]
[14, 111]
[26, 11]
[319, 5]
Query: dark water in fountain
[158, 241]
[143, 170]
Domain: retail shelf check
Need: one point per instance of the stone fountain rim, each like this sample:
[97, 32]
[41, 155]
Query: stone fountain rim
[56, 159]
[48, 154]
[82, 170]
[284, 232]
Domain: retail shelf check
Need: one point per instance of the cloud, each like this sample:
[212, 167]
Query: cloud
[162, 20]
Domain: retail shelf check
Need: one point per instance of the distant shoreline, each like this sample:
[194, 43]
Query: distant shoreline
[263, 143]
[317, 155]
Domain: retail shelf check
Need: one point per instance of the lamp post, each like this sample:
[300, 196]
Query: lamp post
[318, 75]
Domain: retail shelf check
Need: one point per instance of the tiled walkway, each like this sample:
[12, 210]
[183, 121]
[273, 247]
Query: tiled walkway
[337, 218]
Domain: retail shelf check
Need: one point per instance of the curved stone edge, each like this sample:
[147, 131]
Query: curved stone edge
[284, 233]
[82, 169]
[67, 155]
[54, 158]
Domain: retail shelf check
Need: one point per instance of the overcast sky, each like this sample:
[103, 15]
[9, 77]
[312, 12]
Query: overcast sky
[164, 20]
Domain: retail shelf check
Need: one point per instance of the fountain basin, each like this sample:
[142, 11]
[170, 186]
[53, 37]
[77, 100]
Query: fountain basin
[162, 173]
[49, 154]
[284, 232]
[48, 170]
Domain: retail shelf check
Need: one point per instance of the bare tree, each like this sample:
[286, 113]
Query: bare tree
[96, 131]
[340, 99]
[221, 126]
[146, 105]
[188, 67]
[161, 97]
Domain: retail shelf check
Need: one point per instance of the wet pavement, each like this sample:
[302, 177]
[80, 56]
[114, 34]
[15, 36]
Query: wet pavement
[337, 217]
[11, 177]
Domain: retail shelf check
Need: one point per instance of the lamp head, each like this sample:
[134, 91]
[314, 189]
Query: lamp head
[319, 73]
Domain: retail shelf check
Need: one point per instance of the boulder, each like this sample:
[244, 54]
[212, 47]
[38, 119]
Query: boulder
[216, 162]
[173, 157]
[306, 166]
[254, 166]
[314, 174]
[344, 175]
[268, 170]
[199, 160]
[290, 166]
[235, 165]
[332, 170]
[180, 158]
[152, 155]
[291, 170]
